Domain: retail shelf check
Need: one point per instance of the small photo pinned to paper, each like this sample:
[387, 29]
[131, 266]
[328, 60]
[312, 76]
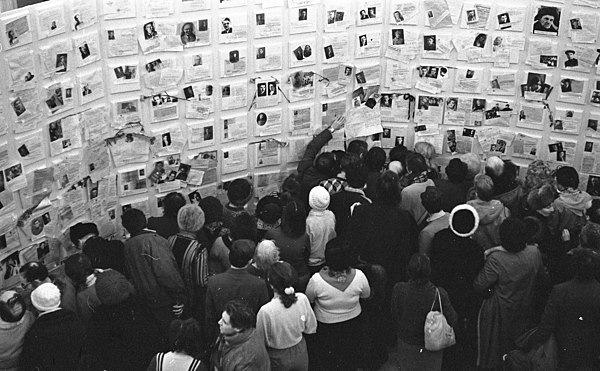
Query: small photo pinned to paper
[150, 31]
[429, 43]
[468, 133]
[154, 66]
[504, 21]
[547, 20]
[589, 147]
[329, 53]
[593, 186]
[61, 62]
[183, 172]
[592, 124]
[188, 33]
[480, 40]
[18, 106]
[575, 24]
[13, 172]
[549, 60]
[472, 16]
[397, 36]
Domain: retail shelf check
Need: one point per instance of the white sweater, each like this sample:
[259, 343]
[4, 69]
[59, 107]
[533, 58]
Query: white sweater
[320, 227]
[333, 305]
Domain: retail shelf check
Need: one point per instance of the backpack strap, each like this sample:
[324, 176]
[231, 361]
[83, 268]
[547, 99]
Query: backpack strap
[194, 365]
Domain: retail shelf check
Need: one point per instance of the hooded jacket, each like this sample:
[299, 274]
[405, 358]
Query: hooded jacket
[491, 215]
[569, 212]
[242, 351]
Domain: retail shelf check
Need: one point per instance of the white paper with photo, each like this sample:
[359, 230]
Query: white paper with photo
[302, 53]
[398, 75]
[526, 146]
[510, 17]
[267, 183]
[436, 13]
[531, 116]
[124, 77]
[121, 41]
[392, 135]
[429, 110]
[404, 12]
[234, 128]
[200, 100]
[233, 62]
[22, 70]
[86, 49]
[368, 44]
[303, 19]
[201, 134]
[56, 58]
[335, 47]
[137, 202]
[371, 74]
[15, 177]
[468, 80]
[592, 124]
[68, 169]
[95, 124]
[301, 119]
[578, 57]
[437, 45]
[268, 122]
[196, 32]
[403, 46]
[26, 108]
[50, 20]
[91, 85]
[538, 47]
[268, 57]
[125, 111]
[331, 76]
[17, 30]
[500, 112]
[458, 111]
[30, 147]
[65, 135]
[433, 79]
[267, 92]
[164, 106]
[233, 28]
[338, 15]
[234, 95]
[7, 199]
[234, 160]
[267, 154]
[330, 111]
[436, 140]
[132, 180]
[583, 27]
[58, 96]
[167, 140]
[268, 23]
[96, 161]
[118, 9]
[157, 36]
[9, 238]
[572, 89]
[394, 108]
[567, 155]
[475, 15]
[369, 12]
[590, 163]
[198, 66]
[502, 82]
[567, 121]
[301, 85]
[84, 13]
[129, 150]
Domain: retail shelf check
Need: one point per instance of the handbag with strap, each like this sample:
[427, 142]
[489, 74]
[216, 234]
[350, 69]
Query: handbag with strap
[438, 334]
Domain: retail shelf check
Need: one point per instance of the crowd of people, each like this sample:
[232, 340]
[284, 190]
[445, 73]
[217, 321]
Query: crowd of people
[341, 265]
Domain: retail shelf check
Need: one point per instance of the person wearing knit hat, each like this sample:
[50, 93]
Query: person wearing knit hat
[540, 200]
[121, 335]
[570, 207]
[456, 259]
[320, 226]
[191, 257]
[538, 174]
[396, 167]
[56, 337]
[238, 194]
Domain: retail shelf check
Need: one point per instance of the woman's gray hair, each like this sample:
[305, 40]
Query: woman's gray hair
[266, 254]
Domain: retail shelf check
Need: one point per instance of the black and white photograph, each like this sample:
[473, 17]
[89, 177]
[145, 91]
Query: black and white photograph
[372, 12]
[329, 52]
[571, 60]
[592, 124]
[575, 24]
[472, 16]
[504, 21]
[234, 56]
[432, 72]
[480, 40]
[183, 172]
[55, 130]
[194, 197]
[188, 92]
[188, 33]
[398, 17]
[478, 105]
[589, 147]
[226, 26]
[302, 14]
[452, 104]
[166, 139]
[208, 133]
[549, 60]
[593, 186]
[547, 20]
[262, 89]
[468, 133]
[272, 88]
[260, 52]
[429, 43]
[331, 17]
[23, 151]
[261, 119]
[18, 106]
[225, 91]
[84, 50]
[386, 100]
[11, 266]
[150, 31]
[61, 62]
[362, 39]
[260, 19]
[397, 36]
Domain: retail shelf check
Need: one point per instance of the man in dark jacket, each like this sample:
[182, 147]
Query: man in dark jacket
[234, 284]
[54, 341]
[342, 203]
[311, 172]
[153, 270]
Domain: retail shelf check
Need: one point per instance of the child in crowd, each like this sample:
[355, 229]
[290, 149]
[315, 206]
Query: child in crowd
[320, 226]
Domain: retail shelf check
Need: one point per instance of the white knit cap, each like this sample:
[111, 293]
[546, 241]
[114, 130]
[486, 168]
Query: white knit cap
[396, 167]
[319, 198]
[475, 217]
[46, 297]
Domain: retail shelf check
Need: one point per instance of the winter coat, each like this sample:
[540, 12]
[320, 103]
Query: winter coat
[12, 336]
[54, 342]
[491, 215]
[308, 175]
[243, 351]
[569, 213]
[508, 311]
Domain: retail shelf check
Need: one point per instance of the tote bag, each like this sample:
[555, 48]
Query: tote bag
[438, 334]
